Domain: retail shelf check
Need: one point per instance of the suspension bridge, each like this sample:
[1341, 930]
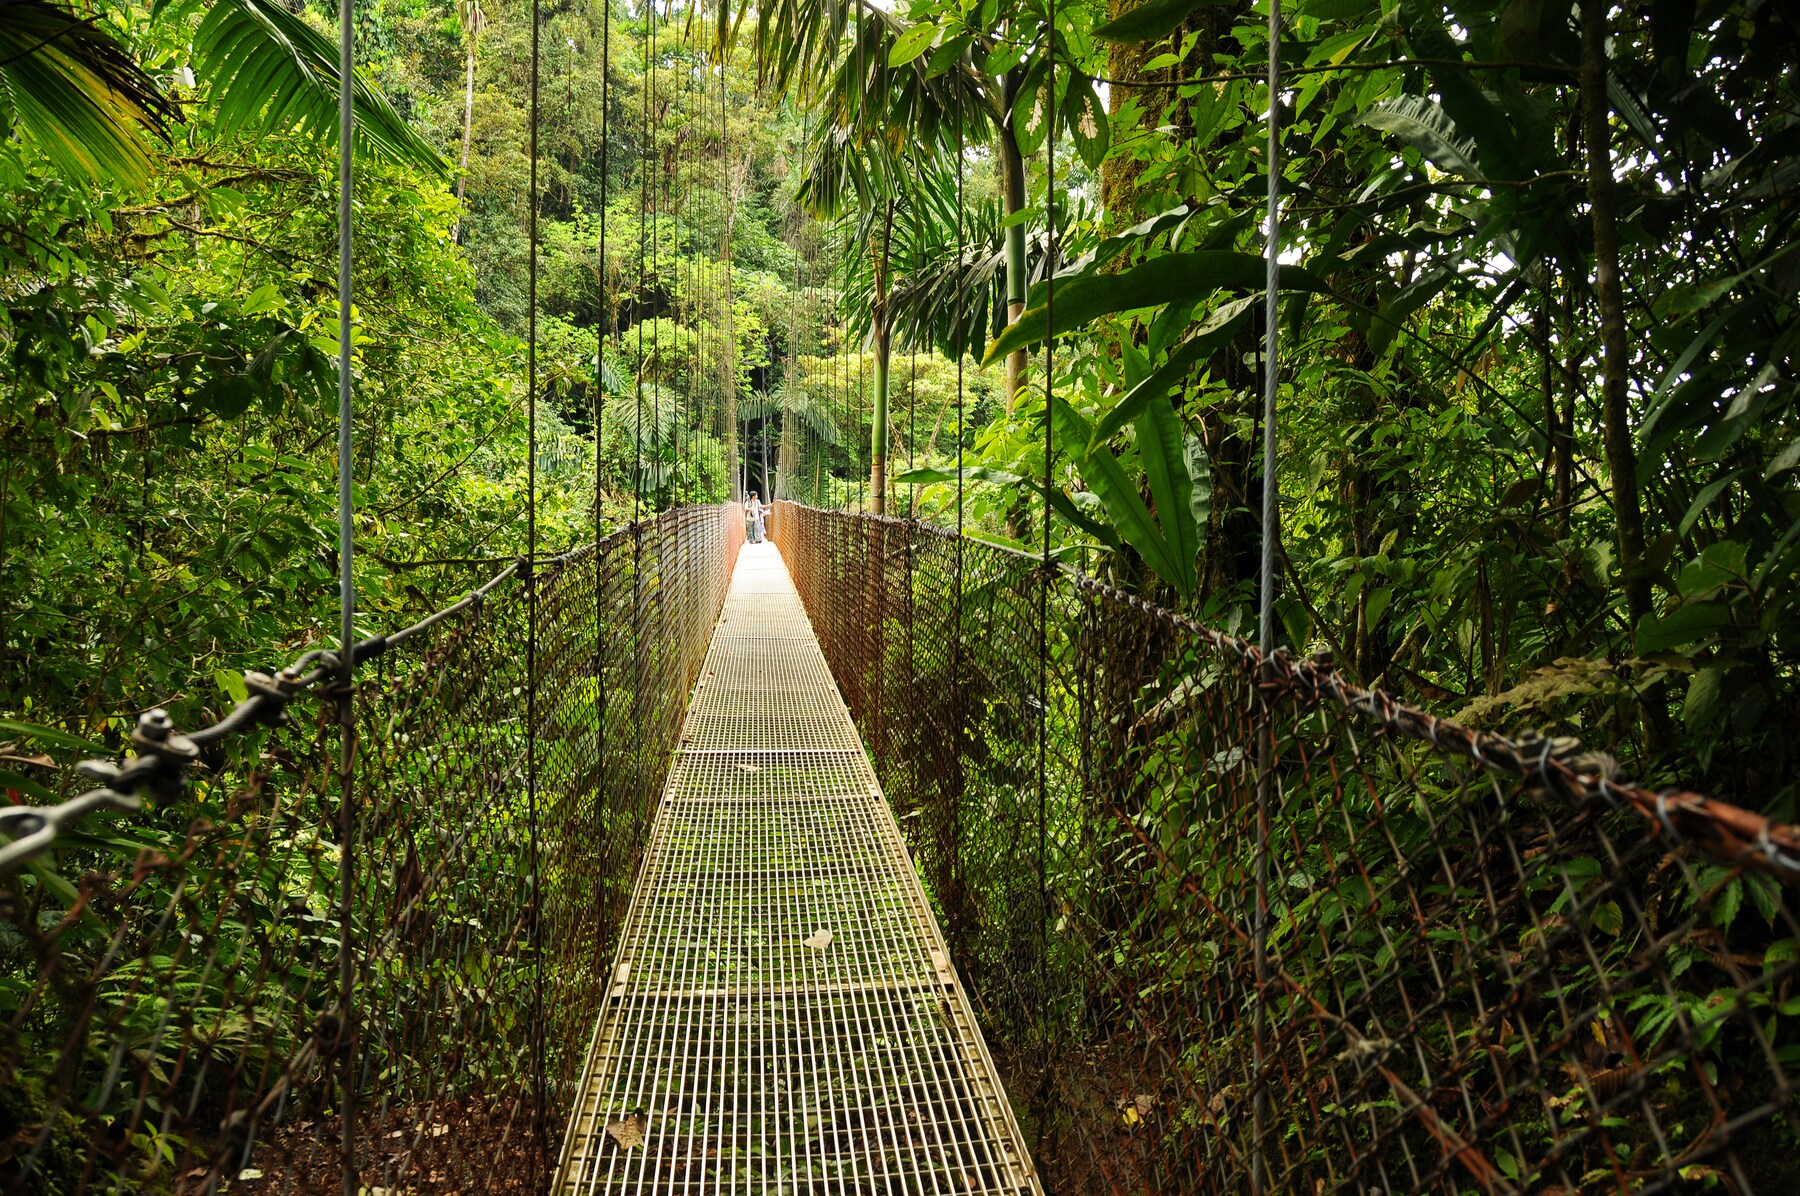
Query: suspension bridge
[879, 860]
[930, 870]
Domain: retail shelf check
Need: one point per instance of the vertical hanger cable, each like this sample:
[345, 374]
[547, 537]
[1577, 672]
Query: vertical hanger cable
[1265, 633]
[540, 1094]
[1047, 572]
[346, 711]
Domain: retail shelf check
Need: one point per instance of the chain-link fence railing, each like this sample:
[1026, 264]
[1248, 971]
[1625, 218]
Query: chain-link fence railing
[1233, 923]
[171, 980]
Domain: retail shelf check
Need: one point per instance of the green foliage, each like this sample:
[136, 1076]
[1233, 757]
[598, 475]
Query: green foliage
[1149, 21]
[1078, 301]
[1450, 511]
[77, 93]
[267, 67]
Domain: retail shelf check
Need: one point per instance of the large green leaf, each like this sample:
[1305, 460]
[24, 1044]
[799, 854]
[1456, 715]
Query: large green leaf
[1080, 300]
[77, 94]
[1148, 22]
[914, 42]
[1118, 494]
[1218, 330]
[929, 475]
[1089, 127]
[1422, 123]
[1164, 456]
[51, 735]
[1469, 108]
[268, 68]
[1029, 116]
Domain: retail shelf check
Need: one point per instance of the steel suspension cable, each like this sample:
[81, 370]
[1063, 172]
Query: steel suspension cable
[346, 711]
[876, 436]
[646, 83]
[1048, 571]
[602, 330]
[540, 1094]
[603, 325]
[956, 688]
[1265, 633]
[699, 95]
[1271, 511]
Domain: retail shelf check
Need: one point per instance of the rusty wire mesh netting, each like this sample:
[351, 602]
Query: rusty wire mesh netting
[169, 980]
[1487, 968]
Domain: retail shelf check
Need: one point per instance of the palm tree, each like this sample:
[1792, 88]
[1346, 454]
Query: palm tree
[474, 20]
[906, 212]
[76, 92]
[872, 76]
[86, 102]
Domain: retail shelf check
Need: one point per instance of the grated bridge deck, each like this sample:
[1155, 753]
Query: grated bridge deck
[739, 1050]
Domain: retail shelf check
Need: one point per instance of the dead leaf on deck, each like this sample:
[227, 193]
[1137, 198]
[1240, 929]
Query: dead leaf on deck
[627, 1131]
[820, 940]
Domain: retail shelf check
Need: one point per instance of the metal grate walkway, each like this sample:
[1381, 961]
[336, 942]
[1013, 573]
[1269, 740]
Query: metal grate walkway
[784, 1017]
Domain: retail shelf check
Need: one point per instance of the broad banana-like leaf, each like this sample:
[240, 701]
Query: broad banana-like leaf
[1422, 123]
[1148, 22]
[269, 68]
[1471, 109]
[1163, 452]
[77, 94]
[1089, 127]
[1211, 337]
[1084, 298]
[930, 475]
[1118, 494]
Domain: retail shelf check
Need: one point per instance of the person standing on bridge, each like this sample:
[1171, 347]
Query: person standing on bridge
[757, 513]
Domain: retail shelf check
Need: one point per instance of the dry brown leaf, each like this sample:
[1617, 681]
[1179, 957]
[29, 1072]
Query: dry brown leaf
[626, 1131]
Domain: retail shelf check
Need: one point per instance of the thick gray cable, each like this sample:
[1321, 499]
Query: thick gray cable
[1271, 538]
[346, 592]
[1271, 510]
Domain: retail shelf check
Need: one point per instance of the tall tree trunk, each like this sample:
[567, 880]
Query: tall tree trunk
[728, 400]
[462, 170]
[1012, 200]
[1565, 427]
[881, 341]
[1621, 456]
[1119, 173]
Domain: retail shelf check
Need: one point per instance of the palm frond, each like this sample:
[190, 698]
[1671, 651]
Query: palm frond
[76, 92]
[810, 410]
[834, 54]
[269, 68]
[947, 287]
[656, 412]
